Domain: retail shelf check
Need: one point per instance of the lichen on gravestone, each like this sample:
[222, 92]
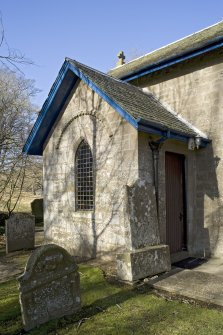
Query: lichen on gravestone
[20, 232]
[49, 287]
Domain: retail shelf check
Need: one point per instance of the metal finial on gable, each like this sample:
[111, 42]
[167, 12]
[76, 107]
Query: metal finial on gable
[121, 58]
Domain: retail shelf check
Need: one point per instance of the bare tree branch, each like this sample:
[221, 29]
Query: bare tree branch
[17, 114]
[10, 58]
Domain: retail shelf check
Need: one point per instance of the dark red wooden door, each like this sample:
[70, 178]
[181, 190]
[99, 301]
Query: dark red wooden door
[175, 202]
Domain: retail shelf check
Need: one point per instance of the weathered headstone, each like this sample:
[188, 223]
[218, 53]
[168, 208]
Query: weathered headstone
[3, 216]
[20, 232]
[49, 287]
[37, 210]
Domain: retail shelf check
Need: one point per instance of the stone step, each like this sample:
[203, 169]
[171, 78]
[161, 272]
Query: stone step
[200, 286]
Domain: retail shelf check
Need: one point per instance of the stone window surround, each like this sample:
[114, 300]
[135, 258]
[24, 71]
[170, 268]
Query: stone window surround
[84, 198]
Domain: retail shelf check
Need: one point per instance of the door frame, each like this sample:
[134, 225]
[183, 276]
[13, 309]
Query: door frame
[184, 199]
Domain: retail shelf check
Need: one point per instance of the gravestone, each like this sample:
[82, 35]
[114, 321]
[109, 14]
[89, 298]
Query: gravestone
[20, 232]
[49, 287]
[37, 210]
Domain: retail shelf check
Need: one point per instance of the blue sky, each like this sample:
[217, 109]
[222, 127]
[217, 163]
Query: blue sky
[93, 32]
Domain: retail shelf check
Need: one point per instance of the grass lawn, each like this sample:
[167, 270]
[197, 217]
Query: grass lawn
[113, 309]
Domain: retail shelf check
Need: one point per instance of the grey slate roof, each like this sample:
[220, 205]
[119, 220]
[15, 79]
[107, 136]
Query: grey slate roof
[135, 102]
[201, 39]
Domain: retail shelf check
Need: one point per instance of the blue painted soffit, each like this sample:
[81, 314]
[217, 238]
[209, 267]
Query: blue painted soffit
[58, 95]
[169, 62]
[61, 89]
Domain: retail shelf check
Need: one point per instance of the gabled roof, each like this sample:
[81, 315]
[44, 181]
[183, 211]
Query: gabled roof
[141, 110]
[198, 43]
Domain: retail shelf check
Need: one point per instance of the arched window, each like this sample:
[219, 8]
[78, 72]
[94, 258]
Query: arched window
[84, 177]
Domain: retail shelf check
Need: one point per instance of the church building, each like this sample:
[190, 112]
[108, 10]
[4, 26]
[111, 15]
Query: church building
[132, 159]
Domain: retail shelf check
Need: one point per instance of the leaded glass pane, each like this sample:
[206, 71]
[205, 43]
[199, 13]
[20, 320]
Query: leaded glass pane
[84, 177]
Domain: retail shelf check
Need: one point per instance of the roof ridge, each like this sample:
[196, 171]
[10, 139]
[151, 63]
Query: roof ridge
[109, 76]
[166, 45]
[137, 107]
[95, 70]
[140, 90]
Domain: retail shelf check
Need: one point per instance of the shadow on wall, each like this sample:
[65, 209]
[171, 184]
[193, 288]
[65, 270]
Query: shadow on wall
[208, 219]
[193, 90]
[212, 202]
[91, 234]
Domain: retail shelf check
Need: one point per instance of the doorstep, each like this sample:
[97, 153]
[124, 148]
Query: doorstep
[195, 285]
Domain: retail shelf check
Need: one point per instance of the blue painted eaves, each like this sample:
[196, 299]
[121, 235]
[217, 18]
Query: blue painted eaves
[169, 62]
[166, 133]
[59, 93]
[51, 108]
[105, 97]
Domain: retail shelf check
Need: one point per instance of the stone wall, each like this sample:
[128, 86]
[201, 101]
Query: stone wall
[113, 142]
[125, 210]
[194, 90]
[143, 211]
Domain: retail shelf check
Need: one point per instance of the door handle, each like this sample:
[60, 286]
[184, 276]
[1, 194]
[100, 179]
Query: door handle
[181, 216]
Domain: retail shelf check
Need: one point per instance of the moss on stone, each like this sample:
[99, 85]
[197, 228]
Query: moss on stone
[114, 309]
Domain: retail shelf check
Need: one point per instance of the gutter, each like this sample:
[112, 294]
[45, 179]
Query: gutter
[155, 147]
[57, 97]
[169, 62]
[168, 133]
